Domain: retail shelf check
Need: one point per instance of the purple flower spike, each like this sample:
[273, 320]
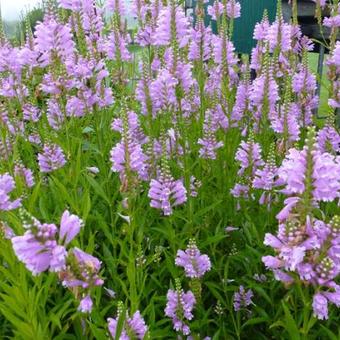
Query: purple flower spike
[172, 16]
[7, 185]
[117, 7]
[208, 143]
[53, 39]
[137, 324]
[163, 91]
[329, 139]
[31, 113]
[323, 174]
[112, 325]
[25, 173]
[55, 116]
[52, 158]
[249, 156]
[194, 264]
[134, 326]
[166, 193]
[127, 156]
[215, 10]
[179, 308]
[233, 9]
[242, 299]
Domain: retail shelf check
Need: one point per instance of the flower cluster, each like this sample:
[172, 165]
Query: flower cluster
[172, 25]
[52, 158]
[179, 308]
[127, 156]
[44, 247]
[328, 138]
[165, 192]
[208, 143]
[249, 157]
[267, 179]
[311, 250]
[195, 112]
[133, 328]
[7, 185]
[242, 298]
[310, 176]
[194, 263]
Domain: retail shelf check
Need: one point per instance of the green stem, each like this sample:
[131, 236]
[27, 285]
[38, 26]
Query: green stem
[132, 261]
[306, 312]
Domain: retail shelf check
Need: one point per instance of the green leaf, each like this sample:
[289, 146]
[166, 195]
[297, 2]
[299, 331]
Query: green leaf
[255, 321]
[290, 324]
[98, 333]
[120, 324]
[98, 189]
[330, 334]
[34, 196]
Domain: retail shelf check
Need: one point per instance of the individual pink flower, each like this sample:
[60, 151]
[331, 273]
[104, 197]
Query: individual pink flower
[70, 226]
[86, 304]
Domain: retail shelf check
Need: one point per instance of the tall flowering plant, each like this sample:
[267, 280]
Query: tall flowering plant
[147, 132]
[306, 247]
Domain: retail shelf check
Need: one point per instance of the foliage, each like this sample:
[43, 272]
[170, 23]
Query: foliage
[166, 161]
